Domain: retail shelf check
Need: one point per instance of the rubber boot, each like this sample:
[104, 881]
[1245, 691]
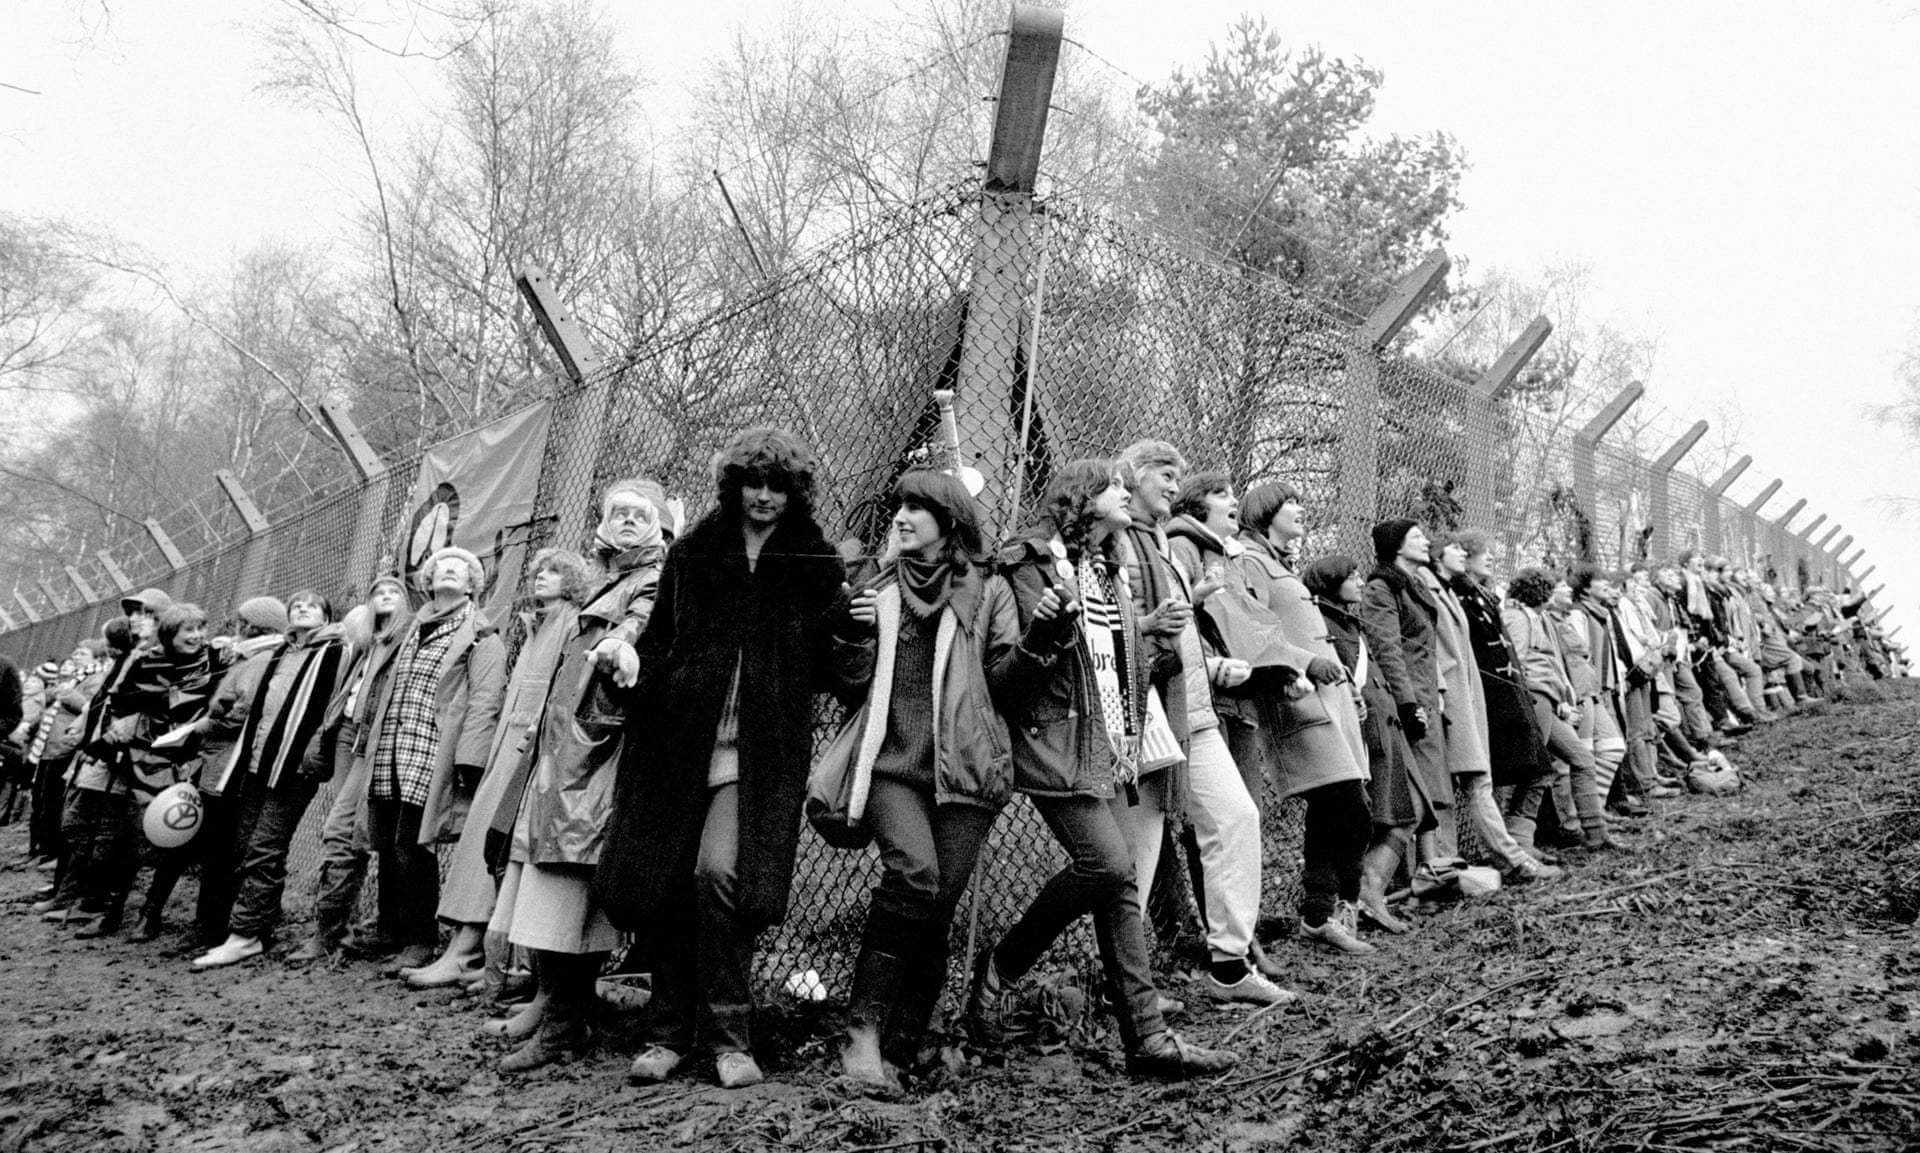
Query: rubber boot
[520, 1024]
[877, 982]
[1376, 871]
[905, 1034]
[153, 913]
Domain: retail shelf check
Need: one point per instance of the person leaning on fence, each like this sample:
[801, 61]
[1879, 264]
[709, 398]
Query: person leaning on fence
[211, 852]
[372, 632]
[935, 647]
[561, 580]
[1076, 750]
[1640, 645]
[274, 770]
[430, 730]
[549, 825]
[1586, 635]
[22, 701]
[1537, 640]
[85, 800]
[1401, 620]
[1311, 740]
[1207, 791]
[1467, 726]
[706, 813]
[164, 688]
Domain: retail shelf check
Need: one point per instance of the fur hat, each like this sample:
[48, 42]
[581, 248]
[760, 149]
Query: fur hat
[264, 613]
[476, 572]
[1388, 536]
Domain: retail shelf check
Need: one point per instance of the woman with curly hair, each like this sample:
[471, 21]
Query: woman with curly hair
[1077, 754]
[700, 849]
[560, 583]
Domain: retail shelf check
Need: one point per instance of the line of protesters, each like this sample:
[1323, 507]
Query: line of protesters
[1147, 661]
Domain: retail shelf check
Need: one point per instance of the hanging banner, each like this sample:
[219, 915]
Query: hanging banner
[476, 492]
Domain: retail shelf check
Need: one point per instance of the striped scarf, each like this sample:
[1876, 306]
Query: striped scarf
[1115, 655]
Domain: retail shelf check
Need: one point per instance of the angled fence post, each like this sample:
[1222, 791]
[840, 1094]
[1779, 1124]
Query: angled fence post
[80, 585]
[26, 607]
[1004, 256]
[1483, 448]
[1586, 442]
[53, 598]
[580, 412]
[1659, 499]
[252, 580]
[6, 620]
[1868, 571]
[164, 543]
[376, 479]
[1831, 533]
[1358, 501]
[114, 572]
[1714, 532]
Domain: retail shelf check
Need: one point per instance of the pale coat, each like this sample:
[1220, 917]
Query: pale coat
[1463, 699]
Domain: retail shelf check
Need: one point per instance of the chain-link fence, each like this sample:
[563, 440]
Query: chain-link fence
[1065, 333]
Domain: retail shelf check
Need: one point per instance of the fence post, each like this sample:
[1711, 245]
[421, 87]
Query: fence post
[1714, 535]
[6, 620]
[1831, 533]
[1482, 447]
[80, 585]
[26, 606]
[253, 558]
[164, 543]
[1869, 571]
[114, 572]
[1360, 414]
[1004, 252]
[1659, 499]
[580, 432]
[46, 590]
[363, 547]
[1586, 485]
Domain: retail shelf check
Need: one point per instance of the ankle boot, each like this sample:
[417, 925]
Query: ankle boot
[565, 1029]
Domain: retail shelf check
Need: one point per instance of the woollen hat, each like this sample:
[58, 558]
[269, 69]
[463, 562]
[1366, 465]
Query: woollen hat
[386, 578]
[149, 600]
[1388, 536]
[48, 670]
[269, 613]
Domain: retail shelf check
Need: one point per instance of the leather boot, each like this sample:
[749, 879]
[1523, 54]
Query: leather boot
[564, 1030]
[905, 1032]
[878, 979]
[1376, 869]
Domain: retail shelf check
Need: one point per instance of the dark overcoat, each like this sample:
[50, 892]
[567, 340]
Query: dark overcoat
[1401, 621]
[711, 613]
[1514, 741]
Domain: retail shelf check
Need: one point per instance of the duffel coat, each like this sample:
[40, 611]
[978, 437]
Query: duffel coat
[714, 614]
[1465, 702]
[1401, 621]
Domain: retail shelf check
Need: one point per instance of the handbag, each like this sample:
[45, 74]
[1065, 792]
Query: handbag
[1248, 631]
[1159, 748]
[836, 796]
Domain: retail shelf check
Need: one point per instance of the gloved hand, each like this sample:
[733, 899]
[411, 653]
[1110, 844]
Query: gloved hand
[1412, 722]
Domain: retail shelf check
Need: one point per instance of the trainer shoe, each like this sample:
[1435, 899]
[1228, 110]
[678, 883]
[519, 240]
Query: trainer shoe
[737, 1070]
[655, 1064]
[1252, 989]
[232, 951]
[1166, 1056]
[1526, 870]
[1335, 935]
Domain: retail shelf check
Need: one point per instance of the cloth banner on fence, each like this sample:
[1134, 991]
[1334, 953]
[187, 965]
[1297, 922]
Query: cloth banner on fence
[476, 491]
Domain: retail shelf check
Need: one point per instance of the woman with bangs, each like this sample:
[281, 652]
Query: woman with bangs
[560, 579]
[1076, 728]
[935, 647]
[272, 773]
[701, 845]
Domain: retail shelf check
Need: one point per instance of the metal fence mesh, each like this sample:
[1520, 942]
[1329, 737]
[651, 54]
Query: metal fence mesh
[1067, 333]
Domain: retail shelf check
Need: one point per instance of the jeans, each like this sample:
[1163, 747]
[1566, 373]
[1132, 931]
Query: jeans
[1696, 723]
[87, 823]
[927, 854]
[1338, 829]
[1098, 879]
[268, 820]
[1752, 679]
[48, 786]
[409, 873]
[1643, 758]
[343, 842]
[702, 973]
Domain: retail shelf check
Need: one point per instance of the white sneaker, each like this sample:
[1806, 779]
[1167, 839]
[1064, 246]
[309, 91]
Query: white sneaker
[1338, 933]
[232, 951]
[1252, 989]
[737, 1070]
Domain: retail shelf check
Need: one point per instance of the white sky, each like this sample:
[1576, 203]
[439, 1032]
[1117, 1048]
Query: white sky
[1743, 178]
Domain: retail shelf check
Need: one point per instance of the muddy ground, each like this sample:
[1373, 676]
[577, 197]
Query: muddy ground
[1749, 980]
